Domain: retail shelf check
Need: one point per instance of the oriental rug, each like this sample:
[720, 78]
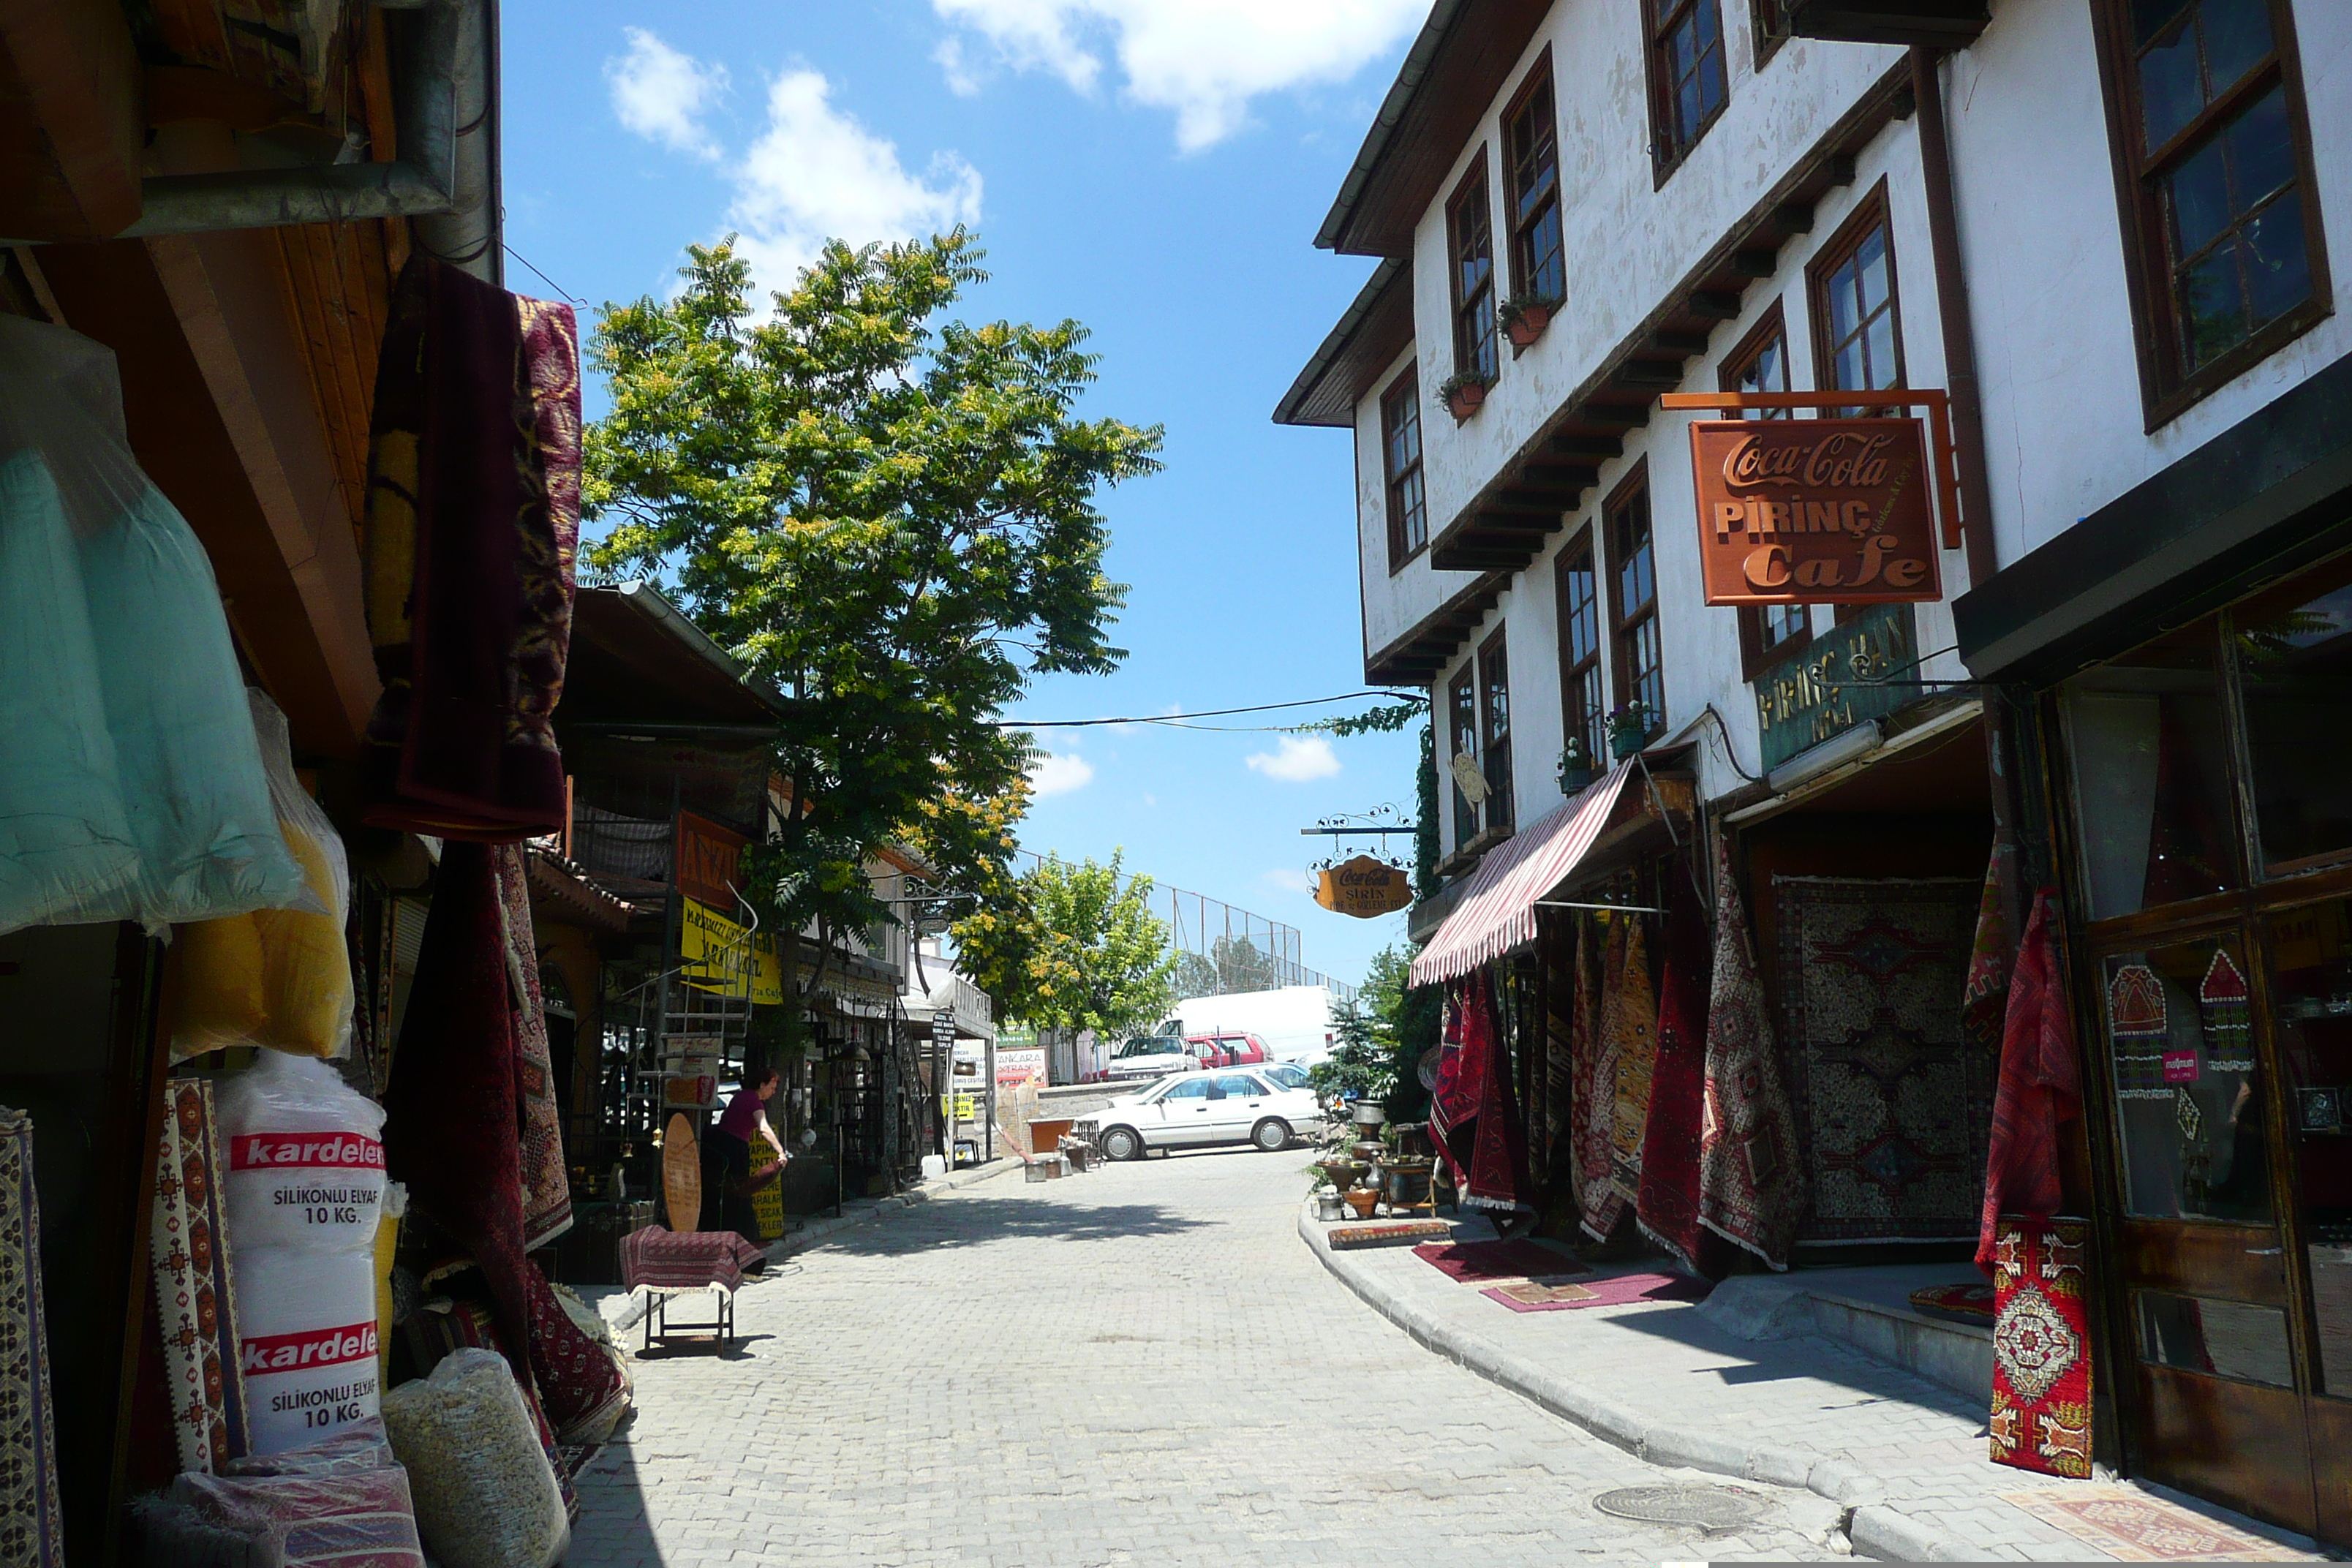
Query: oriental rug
[195, 1303]
[1751, 1181]
[2130, 1526]
[1342, 1237]
[32, 1524]
[1972, 1302]
[1474, 1113]
[1983, 994]
[2042, 1347]
[1892, 1106]
[1559, 948]
[546, 1184]
[1481, 1262]
[2040, 1085]
[1622, 1290]
[1632, 1051]
[1622, 966]
[1675, 1126]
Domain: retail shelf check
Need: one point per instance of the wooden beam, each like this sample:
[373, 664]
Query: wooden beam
[71, 127]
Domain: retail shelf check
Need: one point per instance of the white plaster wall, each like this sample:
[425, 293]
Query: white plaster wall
[1394, 602]
[2043, 240]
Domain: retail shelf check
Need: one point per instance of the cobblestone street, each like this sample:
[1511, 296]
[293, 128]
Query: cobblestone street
[1138, 1365]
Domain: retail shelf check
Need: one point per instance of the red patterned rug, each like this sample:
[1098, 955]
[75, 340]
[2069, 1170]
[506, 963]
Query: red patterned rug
[1476, 1262]
[1343, 1236]
[1973, 1303]
[2133, 1527]
[1623, 1289]
[2041, 1347]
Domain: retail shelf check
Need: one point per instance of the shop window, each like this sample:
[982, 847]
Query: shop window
[1633, 602]
[1768, 633]
[2224, 1339]
[2293, 653]
[1470, 241]
[2310, 952]
[1462, 716]
[1408, 498]
[1689, 79]
[2188, 1106]
[1531, 143]
[2149, 749]
[1494, 731]
[1584, 709]
[2213, 161]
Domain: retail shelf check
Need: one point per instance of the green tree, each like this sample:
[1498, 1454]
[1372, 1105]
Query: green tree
[1072, 949]
[888, 515]
[1361, 1064]
[1407, 1021]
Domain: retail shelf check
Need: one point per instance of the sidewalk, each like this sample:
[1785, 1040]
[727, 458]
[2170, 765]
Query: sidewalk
[1904, 1455]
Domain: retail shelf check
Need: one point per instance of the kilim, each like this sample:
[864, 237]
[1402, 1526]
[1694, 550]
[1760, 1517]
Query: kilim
[2039, 1088]
[2222, 1002]
[195, 1303]
[2042, 1346]
[1751, 1185]
[685, 1260]
[1635, 1050]
[1596, 1109]
[2131, 1526]
[32, 1526]
[1982, 993]
[1675, 1130]
[1618, 1291]
[546, 1185]
[1548, 1120]
[2139, 1024]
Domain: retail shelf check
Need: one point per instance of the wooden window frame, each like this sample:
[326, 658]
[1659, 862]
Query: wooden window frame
[2166, 389]
[1871, 212]
[1583, 546]
[1622, 621]
[1771, 327]
[1467, 676]
[1403, 396]
[1520, 246]
[1472, 194]
[1494, 659]
[1768, 23]
[1668, 143]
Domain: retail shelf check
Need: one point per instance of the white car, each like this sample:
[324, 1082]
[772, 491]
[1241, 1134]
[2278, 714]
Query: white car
[1222, 1105]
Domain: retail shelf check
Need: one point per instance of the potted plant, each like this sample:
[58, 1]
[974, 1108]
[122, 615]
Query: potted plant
[1524, 318]
[1629, 728]
[1463, 393]
[1575, 765]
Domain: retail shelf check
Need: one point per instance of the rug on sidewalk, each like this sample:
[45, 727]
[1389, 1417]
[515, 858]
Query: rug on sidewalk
[1619, 1292]
[1972, 1302]
[1343, 1236]
[1479, 1262]
[2133, 1527]
[1891, 1102]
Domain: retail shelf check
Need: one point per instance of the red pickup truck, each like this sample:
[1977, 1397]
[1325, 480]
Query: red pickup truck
[1230, 1050]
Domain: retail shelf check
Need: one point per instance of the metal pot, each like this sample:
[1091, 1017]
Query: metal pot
[1370, 1113]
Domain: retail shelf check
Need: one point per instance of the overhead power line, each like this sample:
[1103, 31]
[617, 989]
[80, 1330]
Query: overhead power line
[1205, 713]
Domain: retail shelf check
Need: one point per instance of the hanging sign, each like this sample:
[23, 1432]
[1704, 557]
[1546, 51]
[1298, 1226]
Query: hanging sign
[709, 860]
[1815, 511]
[1363, 887]
[730, 959]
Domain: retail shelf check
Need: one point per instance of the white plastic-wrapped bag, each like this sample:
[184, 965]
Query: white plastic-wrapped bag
[305, 1159]
[307, 1341]
[485, 1493]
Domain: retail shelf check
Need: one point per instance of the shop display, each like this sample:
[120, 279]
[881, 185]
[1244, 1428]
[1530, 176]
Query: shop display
[1890, 1101]
[279, 977]
[1634, 1054]
[2040, 1087]
[472, 519]
[2224, 1007]
[1983, 992]
[1473, 1112]
[2041, 1346]
[32, 1525]
[1624, 1007]
[485, 1491]
[2139, 1023]
[1674, 1128]
[1751, 1184]
[195, 1301]
[131, 787]
[330, 1504]
[546, 1185]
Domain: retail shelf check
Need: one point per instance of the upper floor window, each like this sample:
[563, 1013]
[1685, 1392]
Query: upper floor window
[1768, 633]
[1470, 241]
[1770, 19]
[1462, 722]
[1634, 602]
[1408, 500]
[1495, 731]
[2214, 157]
[1584, 709]
[1857, 330]
[1689, 82]
[1531, 143]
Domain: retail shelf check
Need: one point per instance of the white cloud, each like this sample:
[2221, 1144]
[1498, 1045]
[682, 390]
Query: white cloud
[1202, 59]
[1294, 761]
[1290, 880]
[1059, 774]
[662, 94]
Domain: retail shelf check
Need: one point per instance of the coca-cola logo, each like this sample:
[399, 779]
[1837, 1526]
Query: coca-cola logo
[1845, 460]
[316, 1347]
[266, 1151]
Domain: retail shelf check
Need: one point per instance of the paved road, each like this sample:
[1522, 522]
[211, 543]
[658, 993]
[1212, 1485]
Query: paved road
[1141, 1366]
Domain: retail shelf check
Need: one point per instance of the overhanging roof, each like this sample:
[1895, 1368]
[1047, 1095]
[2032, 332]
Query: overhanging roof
[1376, 327]
[636, 658]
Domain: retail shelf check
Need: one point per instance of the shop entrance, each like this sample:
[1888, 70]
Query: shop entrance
[2211, 854]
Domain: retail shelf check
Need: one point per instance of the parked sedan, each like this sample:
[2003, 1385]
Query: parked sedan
[1189, 1110]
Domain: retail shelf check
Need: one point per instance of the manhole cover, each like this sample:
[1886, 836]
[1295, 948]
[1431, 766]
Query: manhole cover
[1709, 1508]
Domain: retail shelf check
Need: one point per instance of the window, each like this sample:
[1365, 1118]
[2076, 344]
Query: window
[1191, 1088]
[1688, 79]
[1538, 267]
[1495, 731]
[1770, 19]
[1241, 1087]
[1634, 601]
[1768, 633]
[1401, 461]
[1857, 334]
[1470, 238]
[1462, 717]
[1583, 711]
[2213, 159]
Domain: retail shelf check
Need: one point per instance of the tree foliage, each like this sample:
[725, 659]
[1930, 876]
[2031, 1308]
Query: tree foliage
[1360, 1065]
[1407, 1021]
[1071, 949]
[889, 516]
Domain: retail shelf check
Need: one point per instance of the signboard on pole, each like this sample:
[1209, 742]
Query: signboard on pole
[710, 861]
[1364, 888]
[723, 956]
[1815, 511]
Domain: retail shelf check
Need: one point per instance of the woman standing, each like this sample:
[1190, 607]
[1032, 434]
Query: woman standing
[746, 1116]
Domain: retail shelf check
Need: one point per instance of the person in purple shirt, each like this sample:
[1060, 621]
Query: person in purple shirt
[746, 1115]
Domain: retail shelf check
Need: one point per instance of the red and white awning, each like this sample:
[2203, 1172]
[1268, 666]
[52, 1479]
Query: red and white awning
[1497, 911]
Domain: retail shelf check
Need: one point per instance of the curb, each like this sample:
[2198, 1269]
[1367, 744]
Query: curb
[1875, 1530]
[863, 1211]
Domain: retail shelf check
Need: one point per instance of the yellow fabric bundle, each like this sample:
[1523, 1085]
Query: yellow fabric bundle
[280, 978]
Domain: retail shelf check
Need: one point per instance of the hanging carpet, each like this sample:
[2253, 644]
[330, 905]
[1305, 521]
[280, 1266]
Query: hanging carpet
[1892, 1105]
[1633, 1052]
[195, 1303]
[1751, 1181]
[546, 1184]
[2040, 1085]
[2042, 1347]
[1549, 1119]
[1984, 994]
[1473, 1112]
[32, 1524]
[1622, 966]
[1674, 1128]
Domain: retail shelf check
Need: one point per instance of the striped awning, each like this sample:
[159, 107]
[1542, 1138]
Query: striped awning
[1497, 911]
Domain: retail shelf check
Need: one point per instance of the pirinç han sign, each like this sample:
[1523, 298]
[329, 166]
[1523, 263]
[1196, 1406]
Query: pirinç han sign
[1803, 511]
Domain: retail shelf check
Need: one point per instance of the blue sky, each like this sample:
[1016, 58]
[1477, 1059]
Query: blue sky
[1154, 168]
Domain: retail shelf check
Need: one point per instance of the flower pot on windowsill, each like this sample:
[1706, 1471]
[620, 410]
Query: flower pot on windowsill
[1525, 327]
[1629, 730]
[1463, 398]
